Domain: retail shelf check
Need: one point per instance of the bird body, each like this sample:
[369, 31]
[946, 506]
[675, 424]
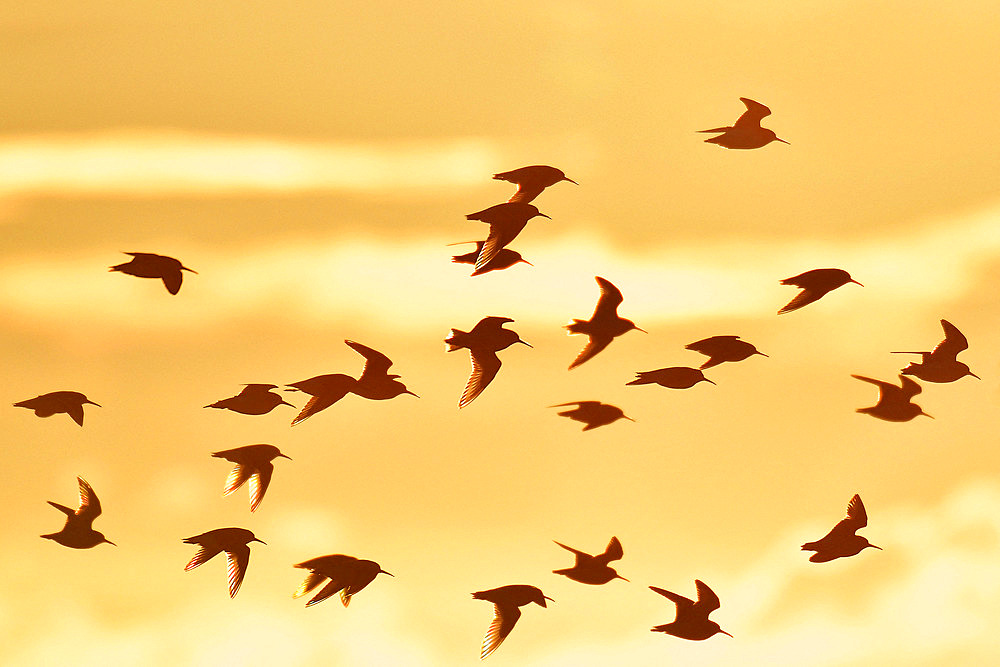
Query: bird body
[675, 377]
[46, 405]
[603, 326]
[254, 399]
[842, 541]
[593, 570]
[148, 265]
[530, 181]
[486, 339]
[894, 401]
[235, 542]
[746, 132]
[253, 463]
[506, 221]
[504, 259]
[78, 531]
[720, 349]
[592, 414]
[692, 616]
[815, 284]
[507, 601]
[347, 575]
[941, 364]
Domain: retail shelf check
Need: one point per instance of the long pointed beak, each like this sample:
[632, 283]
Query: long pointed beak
[856, 282]
[720, 629]
[526, 343]
[642, 330]
[631, 420]
[256, 540]
[761, 354]
[282, 403]
[570, 180]
[411, 394]
[707, 380]
[974, 375]
[97, 404]
[110, 542]
[389, 573]
[926, 415]
[546, 597]
[876, 547]
[525, 261]
[544, 216]
[784, 142]
[284, 456]
[184, 268]
[618, 576]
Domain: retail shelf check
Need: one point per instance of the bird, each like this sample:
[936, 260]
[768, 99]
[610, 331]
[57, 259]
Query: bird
[235, 542]
[484, 341]
[375, 383]
[746, 132]
[815, 284]
[506, 221]
[148, 265]
[504, 259]
[253, 462]
[603, 326]
[78, 532]
[941, 364]
[592, 413]
[842, 541]
[254, 399]
[530, 181]
[347, 575]
[692, 616]
[675, 377]
[720, 349]
[46, 405]
[507, 601]
[593, 569]
[894, 401]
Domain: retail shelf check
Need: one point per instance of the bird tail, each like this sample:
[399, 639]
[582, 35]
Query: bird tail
[454, 340]
[640, 378]
[574, 327]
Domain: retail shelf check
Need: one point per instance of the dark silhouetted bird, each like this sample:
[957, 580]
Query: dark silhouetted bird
[675, 377]
[506, 602]
[692, 616]
[592, 413]
[593, 569]
[78, 532]
[235, 542]
[254, 399]
[720, 349]
[815, 284]
[603, 326]
[253, 462]
[941, 364]
[46, 405]
[894, 402]
[484, 341]
[746, 132]
[842, 541]
[506, 221]
[347, 575]
[504, 259]
[148, 265]
[530, 181]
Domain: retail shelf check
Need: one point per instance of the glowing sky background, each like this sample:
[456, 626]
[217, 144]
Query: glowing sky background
[311, 162]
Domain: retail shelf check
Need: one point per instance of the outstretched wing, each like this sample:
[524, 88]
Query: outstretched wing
[237, 561]
[682, 602]
[953, 343]
[613, 552]
[485, 364]
[708, 601]
[883, 387]
[610, 299]
[910, 387]
[90, 506]
[376, 364]
[595, 345]
[803, 298]
[503, 622]
[236, 478]
[258, 484]
[502, 232]
[317, 403]
[753, 115]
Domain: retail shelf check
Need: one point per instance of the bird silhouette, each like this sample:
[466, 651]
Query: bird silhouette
[46, 405]
[253, 462]
[235, 542]
[254, 399]
[148, 265]
[530, 181]
[78, 532]
[506, 221]
[504, 259]
[375, 383]
[507, 601]
[692, 616]
[815, 284]
[720, 349]
[347, 575]
[592, 413]
[841, 541]
[941, 364]
[484, 341]
[746, 132]
[675, 377]
[603, 326]
[593, 569]
[894, 401]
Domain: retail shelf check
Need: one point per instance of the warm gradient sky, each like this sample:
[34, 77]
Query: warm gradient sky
[312, 162]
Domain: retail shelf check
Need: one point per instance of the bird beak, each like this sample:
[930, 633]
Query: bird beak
[544, 216]
[876, 547]
[570, 180]
[720, 629]
[631, 420]
[92, 403]
[110, 542]
[761, 354]
[526, 343]
[282, 403]
[784, 142]
[856, 282]
[526, 262]
[285, 456]
[389, 573]
[256, 540]
[640, 329]
[546, 597]
[926, 415]
[411, 394]
[618, 576]
[974, 375]
[184, 268]
[707, 380]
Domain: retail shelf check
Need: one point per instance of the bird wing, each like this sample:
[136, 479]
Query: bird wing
[679, 600]
[883, 387]
[76, 412]
[610, 299]
[503, 622]
[237, 560]
[332, 587]
[313, 579]
[857, 517]
[90, 506]
[258, 484]
[237, 477]
[614, 551]
[204, 553]
[953, 343]
[711, 344]
[753, 115]
[376, 363]
[172, 280]
[485, 364]
[502, 232]
[526, 192]
[910, 387]
[803, 298]
[576, 552]
[708, 601]
[317, 403]
[593, 347]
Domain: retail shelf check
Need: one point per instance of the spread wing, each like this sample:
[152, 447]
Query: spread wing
[313, 579]
[236, 478]
[526, 192]
[708, 601]
[317, 403]
[503, 622]
[258, 484]
[856, 519]
[953, 343]
[576, 552]
[485, 364]
[611, 298]
[884, 387]
[376, 364]
[613, 552]
[90, 506]
[910, 387]
[502, 232]
[237, 561]
[595, 345]
[330, 589]
[682, 602]
[803, 298]
[753, 115]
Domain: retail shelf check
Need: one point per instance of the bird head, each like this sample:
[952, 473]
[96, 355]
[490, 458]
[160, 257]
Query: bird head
[771, 137]
[869, 544]
[632, 325]
[540, 599]
[923, 413]
[721, 631]
[535, 212]
[104, 539]
[524, 342]
[381, 571]
[567, 178]
[968, 371]
[618, 576]
[87, 401]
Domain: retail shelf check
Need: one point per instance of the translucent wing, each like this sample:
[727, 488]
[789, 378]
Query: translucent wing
[485, 365]
[503, 622]
[237, 561]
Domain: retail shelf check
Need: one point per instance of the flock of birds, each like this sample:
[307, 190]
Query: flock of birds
[348, 575]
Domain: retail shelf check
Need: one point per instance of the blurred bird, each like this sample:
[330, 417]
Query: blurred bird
[894, 402]
[841, 541]
[603, 326]
[941, 364]
[530, 181]
[253, 462]
[675, 377]
[815, 284]
[593, 569]
[347, 575]
[46, 405]
[484, 341]
[592, 413]
[504, 259]
[720, 349]
[506, 221]
[254, 399]
[692, 616]
[746, 132]
[506, 602]
[78, 532]
[235, 542]
[148, 265]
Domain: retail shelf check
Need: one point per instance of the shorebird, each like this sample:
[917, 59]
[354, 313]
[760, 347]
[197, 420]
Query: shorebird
[253, 462]
[504, 259]
[235, 542]
[692, 616]
[746, 132]
[675, 377]
[592, 413]
[506, 602]
[894, 402]
[841, 541]
[375, 383]
[603, 326]
[78, 532]
[593, 569]
[46, 405]
[484, 341]
[720, 349]
[148, 265]
[815, 284]
[347, 575]
[254, 399]
[506, 221]
[530, 181]
[941, 364]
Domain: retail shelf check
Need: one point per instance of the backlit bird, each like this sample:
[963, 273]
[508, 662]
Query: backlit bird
[893, 401]
[603, 326]
[592, 413]
[506, 221]
[254, 399]
[720, 349]
[253, 463]
[841, 541]
[692, 616]
[235, 542]
[675, 377]
[815, 284]
[504, 259]
[148, 265]
[484, 341]
[530, 181]
[941, 364]
[78, 532]
[347, 576]
[46, 405]
[593, 569]
[746, 132]
[506, 602]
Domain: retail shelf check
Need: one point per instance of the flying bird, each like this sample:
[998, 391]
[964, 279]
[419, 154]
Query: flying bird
[506, 221]
[675, 377]
[504, 259]
[347, 576]
[235, 542]
[254, 399]
[720, 349]
[894, 401]
[815, 284]
[746, 132]
[692, 616]
[530, 181]
[592, 413]
[941, 364]
[603, 326]
[253, 462]
[484, 341]
[841, 541]
[148, 265]
[78, 532]
[593, 569]
[46, 405]
[507, 601]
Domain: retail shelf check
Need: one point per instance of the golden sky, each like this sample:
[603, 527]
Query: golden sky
[312, 163]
